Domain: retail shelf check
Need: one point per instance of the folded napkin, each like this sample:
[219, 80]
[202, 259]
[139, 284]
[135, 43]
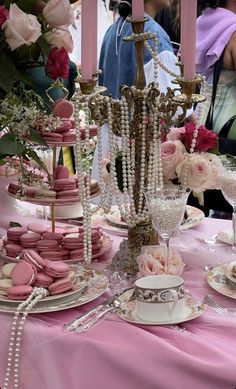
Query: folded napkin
[226, 236]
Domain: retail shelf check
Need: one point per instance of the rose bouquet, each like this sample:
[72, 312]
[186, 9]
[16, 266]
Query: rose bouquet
[34, 33]
[199, 170]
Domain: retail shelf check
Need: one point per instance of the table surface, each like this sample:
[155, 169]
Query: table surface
[199, 354]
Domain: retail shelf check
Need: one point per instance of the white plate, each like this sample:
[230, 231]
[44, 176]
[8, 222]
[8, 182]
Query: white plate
[195, 216]
[81, 282]
[97, 286]
[218, 280]
[106, 246]
[226, 236]
[193, 309]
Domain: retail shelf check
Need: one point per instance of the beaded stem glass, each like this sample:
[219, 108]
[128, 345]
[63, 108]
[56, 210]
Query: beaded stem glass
[228, 187]
[166, 209]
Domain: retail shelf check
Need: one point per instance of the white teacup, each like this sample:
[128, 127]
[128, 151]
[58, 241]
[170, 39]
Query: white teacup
[159, 298]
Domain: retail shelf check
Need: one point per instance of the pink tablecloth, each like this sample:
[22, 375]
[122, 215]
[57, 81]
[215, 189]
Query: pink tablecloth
[200, 354]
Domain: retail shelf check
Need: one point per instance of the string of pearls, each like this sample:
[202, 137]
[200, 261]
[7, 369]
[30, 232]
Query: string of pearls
[13, 358]
[195, 135]
[154, 55]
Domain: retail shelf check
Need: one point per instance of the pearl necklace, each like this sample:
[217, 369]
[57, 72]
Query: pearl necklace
[16, 335]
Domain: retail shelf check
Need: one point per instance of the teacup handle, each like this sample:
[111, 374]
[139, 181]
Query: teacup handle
[176, 298]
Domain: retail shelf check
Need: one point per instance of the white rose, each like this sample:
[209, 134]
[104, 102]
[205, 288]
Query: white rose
[58, 13]
[60, 37]
[21, 28]
[204, 171]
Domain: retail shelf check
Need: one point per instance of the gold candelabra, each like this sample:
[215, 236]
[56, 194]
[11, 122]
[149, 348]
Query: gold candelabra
[142, 233]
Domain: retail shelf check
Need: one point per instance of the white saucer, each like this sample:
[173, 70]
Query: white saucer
[218, 277]
[193, 309]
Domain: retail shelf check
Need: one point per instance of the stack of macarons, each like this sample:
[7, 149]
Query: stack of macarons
[60, 245]
[18, 280]
[64, 187]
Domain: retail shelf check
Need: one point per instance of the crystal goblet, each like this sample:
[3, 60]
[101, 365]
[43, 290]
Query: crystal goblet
[228, 188]
[166, 209]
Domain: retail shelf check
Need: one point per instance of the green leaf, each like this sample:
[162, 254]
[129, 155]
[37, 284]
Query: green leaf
[9, 145]
[35, 137]
[8, 72]
[14, 224]
[44, 46]
[2, 162]
[32, 154]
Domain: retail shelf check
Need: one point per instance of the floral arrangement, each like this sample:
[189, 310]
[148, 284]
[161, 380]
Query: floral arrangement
[20, 113]
[199, 170]
[152, 259]
[34, 33]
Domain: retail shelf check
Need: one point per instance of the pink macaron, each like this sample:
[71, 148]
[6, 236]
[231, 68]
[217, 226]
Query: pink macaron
[29, 239]
[73, 241]
[61, 286]
[69, 136]
[34, 259]
[64, 184]
[52, 137]
[65, 126]
[13, 187]
[56, 269]
[23, 274]
[7, 241]
[56, 255]
[46, 244]
[19, 292]
[37, 227]
[65, 194]
[61, 172]
[63, 108]
[13, 250]
[14, 233]
[42, 280]
[53, 236]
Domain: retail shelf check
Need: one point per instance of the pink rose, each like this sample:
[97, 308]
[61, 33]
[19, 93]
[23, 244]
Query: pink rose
[58, 64]
[152, 261]
[204, 171]
[206, 140]
[172, 153]
[3, 14]
[21, 28]
[176, 133]
[60, 37]
[58, 13]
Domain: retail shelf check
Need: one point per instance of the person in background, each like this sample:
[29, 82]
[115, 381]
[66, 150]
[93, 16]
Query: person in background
[168, 19]
[117, 58]
[216, 53]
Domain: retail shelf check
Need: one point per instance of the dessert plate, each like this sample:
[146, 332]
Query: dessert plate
[195, 216]
[96, 287]
[81, 282]
[193, 309]
[218, 278]
[50, 201]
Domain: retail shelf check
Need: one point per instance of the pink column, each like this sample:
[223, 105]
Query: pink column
[188, 36]
[94, 24]
[87, 37]
[138, 9]
[183, 18]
